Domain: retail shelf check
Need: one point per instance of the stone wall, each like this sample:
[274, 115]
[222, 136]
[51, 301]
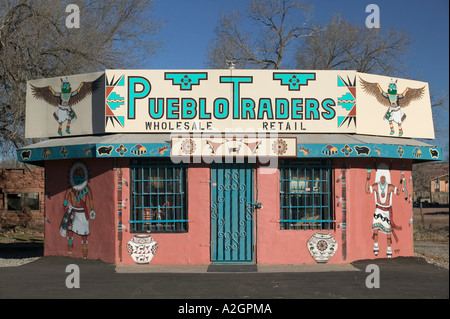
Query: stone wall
[18, 187]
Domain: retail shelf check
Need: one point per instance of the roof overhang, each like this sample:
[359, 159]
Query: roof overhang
[162, 145]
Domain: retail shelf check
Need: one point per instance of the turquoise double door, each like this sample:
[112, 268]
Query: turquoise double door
[232, 213]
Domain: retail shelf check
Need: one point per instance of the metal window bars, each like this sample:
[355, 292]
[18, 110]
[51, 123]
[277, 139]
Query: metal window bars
[159, 197]
[305, 195]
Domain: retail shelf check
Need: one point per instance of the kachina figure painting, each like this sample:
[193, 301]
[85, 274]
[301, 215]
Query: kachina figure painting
[78, 208]
[383, 191]
[394, 100]
[65, 99]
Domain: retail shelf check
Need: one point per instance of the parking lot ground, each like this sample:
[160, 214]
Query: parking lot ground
[397, 278]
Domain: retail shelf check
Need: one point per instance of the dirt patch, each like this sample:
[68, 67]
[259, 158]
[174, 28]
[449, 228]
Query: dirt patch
[431, 235]
[433, 218]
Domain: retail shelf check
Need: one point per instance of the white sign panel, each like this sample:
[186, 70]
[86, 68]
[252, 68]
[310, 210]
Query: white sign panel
[211, 146]
[230, 100]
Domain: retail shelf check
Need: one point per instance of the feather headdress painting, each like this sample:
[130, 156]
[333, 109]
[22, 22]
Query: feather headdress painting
[64, 99]
[394, 101]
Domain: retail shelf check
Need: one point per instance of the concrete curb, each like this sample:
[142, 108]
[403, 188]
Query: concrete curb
[261, 268]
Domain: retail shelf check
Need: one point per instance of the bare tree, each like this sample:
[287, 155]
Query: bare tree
[345, 46]
[280, 23]
[35, 42]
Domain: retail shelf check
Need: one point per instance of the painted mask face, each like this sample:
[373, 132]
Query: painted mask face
[78, 177]
[392, 88]
[65, 87]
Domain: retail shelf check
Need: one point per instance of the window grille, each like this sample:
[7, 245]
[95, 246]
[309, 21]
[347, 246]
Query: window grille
[158, 196]
[306, 195]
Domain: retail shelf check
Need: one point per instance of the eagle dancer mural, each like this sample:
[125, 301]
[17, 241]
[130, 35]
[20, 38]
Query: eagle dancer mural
[65, 99]
[393, 100]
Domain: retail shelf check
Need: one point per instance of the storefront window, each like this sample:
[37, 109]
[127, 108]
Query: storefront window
[158, 195]
[305, 195]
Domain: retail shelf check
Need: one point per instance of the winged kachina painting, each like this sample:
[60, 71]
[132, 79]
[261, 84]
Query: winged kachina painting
[393, 107]
[394, 101]
[65, 99]
[65, 106]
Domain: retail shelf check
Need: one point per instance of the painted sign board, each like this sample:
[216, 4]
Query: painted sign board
[235, 146]
[221, 101]
[227, 100]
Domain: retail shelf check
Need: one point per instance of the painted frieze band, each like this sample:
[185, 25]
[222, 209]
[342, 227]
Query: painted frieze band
[284, 147]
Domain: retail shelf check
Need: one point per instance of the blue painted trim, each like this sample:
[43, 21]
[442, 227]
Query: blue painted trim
[159, 221]
[135, 150]
[305, 221]
[369, 150]
[94, 151]
[56, 153]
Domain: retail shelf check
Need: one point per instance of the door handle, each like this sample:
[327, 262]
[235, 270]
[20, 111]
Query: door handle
[257, 205]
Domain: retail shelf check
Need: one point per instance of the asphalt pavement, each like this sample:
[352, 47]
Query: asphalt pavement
[54, 277]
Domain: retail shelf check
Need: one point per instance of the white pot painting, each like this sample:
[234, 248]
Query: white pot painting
[322, 247]
[142, 248]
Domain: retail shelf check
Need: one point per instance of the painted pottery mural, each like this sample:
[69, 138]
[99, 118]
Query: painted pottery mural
[142, 248]
[322, 246]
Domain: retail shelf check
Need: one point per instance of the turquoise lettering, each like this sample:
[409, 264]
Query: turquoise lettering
[156, 111]
[236, 81]
[189, 107]
[265, 106]
[203, 114]
[281, 109]
[297, 109]
[312, 106]
[221, 108]
[172, 108]
[248, 107]
[327, 105]
[134, 93]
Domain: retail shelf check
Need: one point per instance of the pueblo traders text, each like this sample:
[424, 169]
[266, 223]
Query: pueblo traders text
[175, 108]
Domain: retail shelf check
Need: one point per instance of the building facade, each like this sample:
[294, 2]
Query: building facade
[22, 189]
[227, 166]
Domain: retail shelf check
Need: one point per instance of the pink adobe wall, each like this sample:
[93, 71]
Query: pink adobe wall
[191, 248]
[361, 207]
[276, 246]
[289, 246]
[101, 239]
[273, 246]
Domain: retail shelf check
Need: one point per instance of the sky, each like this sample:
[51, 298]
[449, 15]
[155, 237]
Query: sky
[189, 28]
